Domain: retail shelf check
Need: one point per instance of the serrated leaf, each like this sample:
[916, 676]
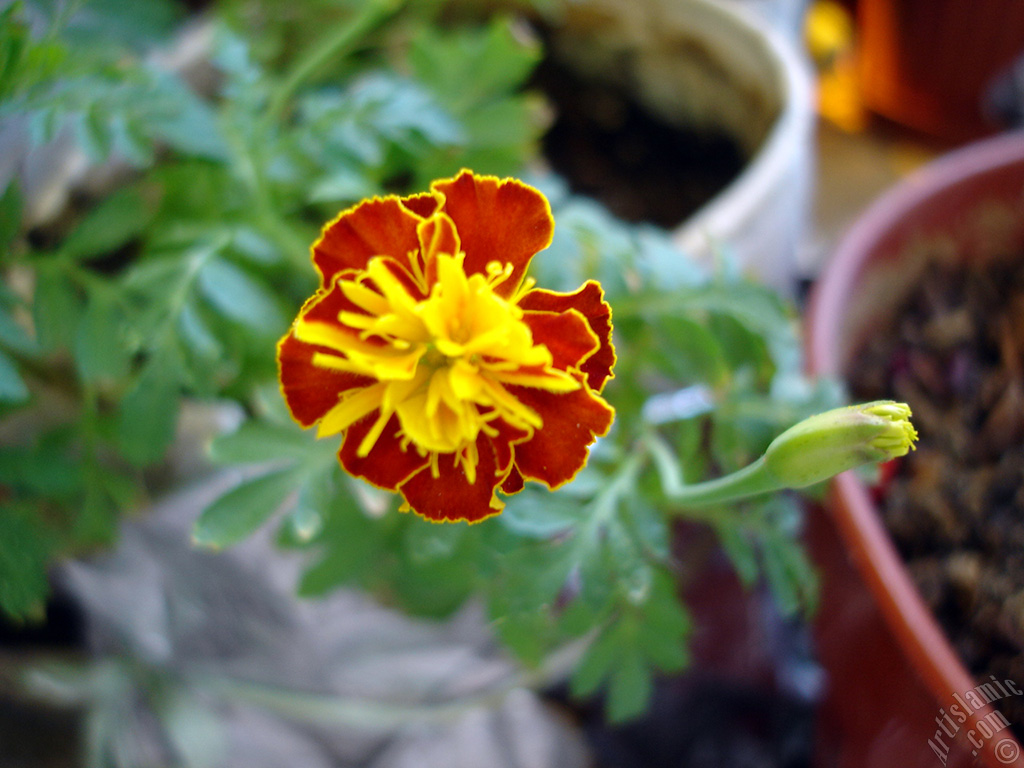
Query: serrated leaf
[43, 125]
[14, 336]
[315, 496]
[596, 664]
[10, 213]
[503, 123]
[196, 334]
[113, 222]
[437, 586]
[256, 441]
[629, 688]
[131, 142]
[14, 41]
[633, 575]
[787, 587]
[665, 628]
[469, 66]
[243, 509]
[99, 347]
[44, 469]
[148, 413]
[426, 541]
[741, 552]
[688, 352]
[541, 515]
[25, 549]
[742, 347]
[190, 127]
[92, 134]
[405, 113]
[527, 635]
[532, 576]
[239, 296]
[790, 574]
[12, 387]
[668, 654]
[342, 186]
[96, 519]
[141, 23]
[647, 526]
[195, 194]
[153, 275]
[352, 542]
[254, 246]
[664, 614]
[758, 309]
[662, 264]
[56, 308]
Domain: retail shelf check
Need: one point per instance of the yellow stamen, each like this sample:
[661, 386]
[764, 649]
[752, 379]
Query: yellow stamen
[371, 437]
[353, 405]
[364, 297]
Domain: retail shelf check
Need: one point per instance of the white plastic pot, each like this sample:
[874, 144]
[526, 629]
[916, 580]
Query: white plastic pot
[715, 64]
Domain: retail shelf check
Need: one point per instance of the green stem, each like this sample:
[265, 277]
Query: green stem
[333, 44]
[752, 480]
[619, 484]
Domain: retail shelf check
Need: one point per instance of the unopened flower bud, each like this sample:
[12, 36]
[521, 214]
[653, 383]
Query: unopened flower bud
[832, 442]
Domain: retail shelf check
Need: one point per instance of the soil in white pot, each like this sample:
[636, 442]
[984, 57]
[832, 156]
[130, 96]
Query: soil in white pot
[642, 168]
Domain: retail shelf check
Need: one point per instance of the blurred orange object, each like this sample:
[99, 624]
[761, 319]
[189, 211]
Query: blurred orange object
[830, 41]
[928, 63]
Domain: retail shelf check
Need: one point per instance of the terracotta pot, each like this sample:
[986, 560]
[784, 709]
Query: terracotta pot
[893, 674]
[928, 63]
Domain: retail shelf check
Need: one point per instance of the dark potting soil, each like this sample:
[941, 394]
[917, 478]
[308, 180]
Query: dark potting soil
[955, 507]
[748, 698]
[694, 723]
[33, 734]
[639, 166]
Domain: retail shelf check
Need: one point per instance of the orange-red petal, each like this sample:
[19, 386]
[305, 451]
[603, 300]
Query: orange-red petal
[386, 465]
[514, 483]
[450, 496]
[572, 420]
[437, 235]
[589, 302]
[424, 204]
[383, 226]
[498, 220]
[502, 443]
[567, 336]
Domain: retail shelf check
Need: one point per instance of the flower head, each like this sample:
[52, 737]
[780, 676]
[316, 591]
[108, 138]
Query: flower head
[447, 373]
[832, 442]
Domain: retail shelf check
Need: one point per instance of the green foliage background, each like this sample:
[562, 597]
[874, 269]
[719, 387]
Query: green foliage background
[178, 284]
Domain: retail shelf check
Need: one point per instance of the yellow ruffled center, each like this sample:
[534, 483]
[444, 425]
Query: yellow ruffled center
[441, 363]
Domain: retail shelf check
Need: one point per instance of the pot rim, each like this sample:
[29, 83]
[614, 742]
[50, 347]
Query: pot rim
[792, 128]
[852, 509]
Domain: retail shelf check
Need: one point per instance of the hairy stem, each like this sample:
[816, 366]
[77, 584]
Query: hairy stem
[752, 480]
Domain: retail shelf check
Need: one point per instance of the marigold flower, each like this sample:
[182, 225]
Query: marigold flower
[447, 373]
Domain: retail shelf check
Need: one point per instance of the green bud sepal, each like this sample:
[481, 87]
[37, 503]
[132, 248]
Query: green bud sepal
[828, 443]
